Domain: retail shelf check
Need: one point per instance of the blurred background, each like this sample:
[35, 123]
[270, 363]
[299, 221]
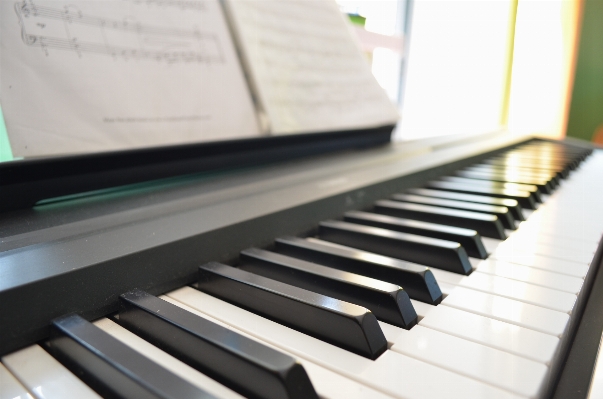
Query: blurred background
[532, 66]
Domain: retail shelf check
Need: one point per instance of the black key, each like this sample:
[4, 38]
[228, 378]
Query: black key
[469, 239]
[531, 163]
[555, 148]
[418, 281]
[550, 178]
[540, 155]
[533, 190]
[511, 204]
[539, 159]
[543, 185]
[340, 323]
[523, 197]
[560, 171]
[441, 254]
[558, 174]
[505, 217]
[244, 365]
[112, 368]
[514, 170]
[388, 302]
[486, 225]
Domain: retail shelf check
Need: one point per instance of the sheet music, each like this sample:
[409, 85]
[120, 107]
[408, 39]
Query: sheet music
[307, 69]
[85, 76]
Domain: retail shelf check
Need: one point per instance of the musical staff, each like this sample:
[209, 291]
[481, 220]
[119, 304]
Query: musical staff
[70, 29]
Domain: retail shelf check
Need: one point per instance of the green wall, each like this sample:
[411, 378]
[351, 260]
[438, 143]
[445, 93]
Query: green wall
[586, 110]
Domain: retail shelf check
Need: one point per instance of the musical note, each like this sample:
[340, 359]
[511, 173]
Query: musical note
[69, 29]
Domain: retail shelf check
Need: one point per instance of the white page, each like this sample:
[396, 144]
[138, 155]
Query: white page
[82, 76]
[307, 68]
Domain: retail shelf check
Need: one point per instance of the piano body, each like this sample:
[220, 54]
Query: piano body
[79, 254]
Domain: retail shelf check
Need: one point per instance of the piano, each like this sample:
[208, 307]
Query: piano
[476, 256]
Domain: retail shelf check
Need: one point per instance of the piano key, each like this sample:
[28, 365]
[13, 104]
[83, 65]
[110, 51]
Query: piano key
[562, 266]
[503, 214]
[44, 377]
[538, 159]
[491, 245]
[540, 262]
[10, 388]
[328, 384]
[447, 288]
[527, 237]
[388, 302]
[392, 373]
[559, 171]
[507, 337]
[511, 172]
[544, 186]
[513, 289]
[571, 234]
[169, 362]
[111, 367]
[524, 198]
[511, 204]
[344, 324]
[578, 224]
[541, 155]
[533, 190]
[515, 247]
[238, 362]
[485, 225]
[469, 239]
[534, 159]
[506, 371]
[545, 155]
[531, 275]
[508, 310]
[565, 168]
[418, 281]
[427, 251]
[422, 308]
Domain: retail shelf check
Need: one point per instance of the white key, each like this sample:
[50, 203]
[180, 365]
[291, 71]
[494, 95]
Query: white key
[550, 221]
[531, 275]
[331, 385]
[44, 377]
[508, 310]
[513, 289]
[167, 361]
[392, 373]
[492, 366]
[516, 248]
[421, 308]
[446, 288]
[528, 212]
[551, 241]
[328, 385]
[569, 234]
[496, 334]
[542, 262]
[491, 244]
[10, 388]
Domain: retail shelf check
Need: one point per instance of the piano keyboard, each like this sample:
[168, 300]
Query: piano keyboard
[469, 287]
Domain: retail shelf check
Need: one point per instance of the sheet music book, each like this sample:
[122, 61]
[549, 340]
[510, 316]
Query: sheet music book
[309, 72]
[78, 76]
[88, 76]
